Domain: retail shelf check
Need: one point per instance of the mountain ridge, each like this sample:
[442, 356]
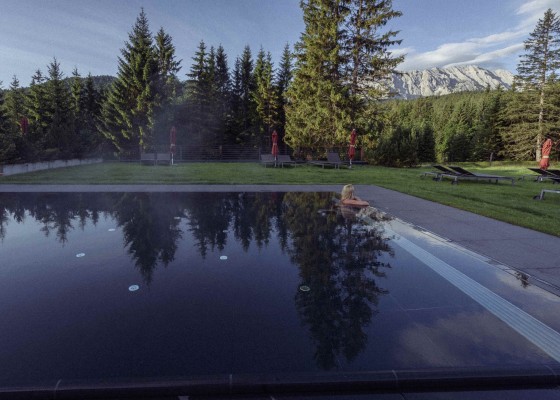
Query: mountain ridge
[441, 81]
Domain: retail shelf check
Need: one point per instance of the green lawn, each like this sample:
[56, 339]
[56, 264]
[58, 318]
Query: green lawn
[513, 204]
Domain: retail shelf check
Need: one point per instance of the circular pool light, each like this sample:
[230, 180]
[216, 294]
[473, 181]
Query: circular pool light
[304, 288]
[223, 257]
[111, 229]
[133, 288]
[79, 255]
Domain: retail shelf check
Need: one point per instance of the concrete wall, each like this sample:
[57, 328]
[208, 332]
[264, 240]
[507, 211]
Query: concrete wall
[12, 169]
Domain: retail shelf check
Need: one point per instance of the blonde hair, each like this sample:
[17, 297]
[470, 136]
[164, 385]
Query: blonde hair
[347, 192]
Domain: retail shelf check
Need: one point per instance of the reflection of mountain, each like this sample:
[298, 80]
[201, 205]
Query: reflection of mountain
[338, 263]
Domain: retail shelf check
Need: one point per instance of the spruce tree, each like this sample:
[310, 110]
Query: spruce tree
[168, 87]
[243, 106]
[90, 102]
[283, 80]
[36, 109]
[60, 135]
[8, 148]
[14, 110]
[133, 99]
[247, 87]
[365, 48]
[15, 105]
[317, 116]
[236, 124]
[540, 61]
[199, 96]
[168, 67]
[265, 94]
[222, 83]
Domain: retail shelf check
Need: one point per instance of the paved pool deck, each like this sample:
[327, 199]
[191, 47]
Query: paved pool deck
[534, 253]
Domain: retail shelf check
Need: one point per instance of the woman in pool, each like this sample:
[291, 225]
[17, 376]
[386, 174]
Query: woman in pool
[348, 198]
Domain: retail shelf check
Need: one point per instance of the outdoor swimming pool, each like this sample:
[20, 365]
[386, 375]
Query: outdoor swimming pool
[132, 287]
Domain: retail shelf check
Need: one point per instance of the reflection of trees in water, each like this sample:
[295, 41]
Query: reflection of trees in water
[208, 218]
[57, 213]
[338, 260]
[150, 229]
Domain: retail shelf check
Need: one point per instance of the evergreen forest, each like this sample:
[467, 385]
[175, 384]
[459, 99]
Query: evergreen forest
[333, 80]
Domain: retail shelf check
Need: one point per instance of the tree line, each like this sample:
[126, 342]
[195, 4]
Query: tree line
[335, 80]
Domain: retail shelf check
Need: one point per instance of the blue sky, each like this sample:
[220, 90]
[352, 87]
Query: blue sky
[88, 34]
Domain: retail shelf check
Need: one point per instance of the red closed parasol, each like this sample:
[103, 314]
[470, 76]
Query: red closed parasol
[352, 148]
[547, 147]
[24, 125]
[275, 145]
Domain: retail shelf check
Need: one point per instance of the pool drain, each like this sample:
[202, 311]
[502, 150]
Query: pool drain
[133, 288]
[304, 288]
[80, 255]
[223, 257]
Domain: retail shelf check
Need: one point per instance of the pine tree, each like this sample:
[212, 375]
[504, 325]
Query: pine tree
[317, 115]
[283, 80]
[36, 109]
[133, 99]
[243, 107]
[168, 67]
[540, 61]
[15, 105]
[265, 94]
[168, 88]
[236, 124]
[365, 47]
[247, 87]
[199, 92]
[222, 83]
[60, 135]
[8, 138]
[88, 136]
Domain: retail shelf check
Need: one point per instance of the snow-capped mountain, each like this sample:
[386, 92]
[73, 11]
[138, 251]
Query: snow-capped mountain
[439, 81]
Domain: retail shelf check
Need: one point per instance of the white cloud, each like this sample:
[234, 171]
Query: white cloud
[532, 11]
[491, 56]
[491, 49]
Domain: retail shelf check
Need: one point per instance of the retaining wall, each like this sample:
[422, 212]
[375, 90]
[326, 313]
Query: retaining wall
[13, 169]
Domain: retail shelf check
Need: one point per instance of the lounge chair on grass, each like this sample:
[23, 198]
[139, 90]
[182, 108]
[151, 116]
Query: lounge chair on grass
[543, 191]
[464, 174]
[441, 172]
[543, 174]
[163, 158]
[285, 159]
[268, 159]
[148, 158]
[333, 160]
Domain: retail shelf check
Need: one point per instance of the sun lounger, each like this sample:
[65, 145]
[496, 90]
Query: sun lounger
[333, 160]
[268, 159]
[464, 174]
[163, 158]
[543, 191]
[441, 172]
[285, 159]
[148, 158]
[543, 174]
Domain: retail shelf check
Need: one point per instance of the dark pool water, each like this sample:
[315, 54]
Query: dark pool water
[155, 285]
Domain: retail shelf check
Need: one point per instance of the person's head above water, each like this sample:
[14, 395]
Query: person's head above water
[347, 192]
